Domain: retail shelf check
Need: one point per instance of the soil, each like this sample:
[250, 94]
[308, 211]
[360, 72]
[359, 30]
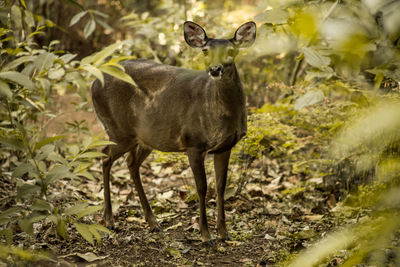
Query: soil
[265, 225]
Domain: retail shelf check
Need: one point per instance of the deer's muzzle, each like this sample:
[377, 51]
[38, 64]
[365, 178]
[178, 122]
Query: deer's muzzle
[216, 71]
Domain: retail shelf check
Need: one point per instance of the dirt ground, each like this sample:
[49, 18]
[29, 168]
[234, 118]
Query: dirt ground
[264, 227]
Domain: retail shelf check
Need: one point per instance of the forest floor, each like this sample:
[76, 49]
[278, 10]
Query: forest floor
[266, 222]
[270, 213]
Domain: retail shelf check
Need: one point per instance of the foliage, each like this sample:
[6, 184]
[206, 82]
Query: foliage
[337, 39]
[29, 78]
[95, 16]
[18, 256]
[370, 141]
[331, 50]
[282, 132]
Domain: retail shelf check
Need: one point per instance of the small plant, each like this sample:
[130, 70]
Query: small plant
[37, 173]
[37, 164]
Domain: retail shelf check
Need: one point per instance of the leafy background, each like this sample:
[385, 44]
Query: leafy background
[314, 182]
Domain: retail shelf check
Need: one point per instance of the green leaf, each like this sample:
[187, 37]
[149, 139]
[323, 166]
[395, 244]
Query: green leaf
[54, 218]
[273, 16]
[30, 21]
[16, 62]
[82, 166]
[117, 73]
[45, 61]
[26, 191]
[45, 151]
[304, 24]
[89, 28]
[55, 74]
[58, 172]
[49, 23]
[26, 226]
[99, 57]
[5, 90]
[73, 150]
[53, 43]
[22, 169]
[8, 234]
[55, 157]
[130, 16]
[67, 58]
[93, 154]
[62, 228]
[95, 234]
[47, 140]
[310, 98]
[41, 205]
[114, 61]
[95, 72]
[13, 142]
[87, 211]
[96, 228]
[101, 143]
[101, 228]
[17, 78]
[103, 24]
[35, 33]
[101, 14]
[174, 253]
[16, 16]
[37, 218]
[77, 17]
[10, 212]
[5, 216]
[23, 3]
[83, 229]
[87, 175]
[314, 58]
[75, 209]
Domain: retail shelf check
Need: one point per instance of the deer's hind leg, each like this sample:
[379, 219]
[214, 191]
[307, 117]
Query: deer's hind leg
[135, 159]
[113, 152]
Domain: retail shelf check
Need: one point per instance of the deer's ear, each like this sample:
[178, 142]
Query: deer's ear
[195, 35]
[245, 35]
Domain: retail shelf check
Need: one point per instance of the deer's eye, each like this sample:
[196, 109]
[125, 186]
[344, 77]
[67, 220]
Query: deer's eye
[205, 51]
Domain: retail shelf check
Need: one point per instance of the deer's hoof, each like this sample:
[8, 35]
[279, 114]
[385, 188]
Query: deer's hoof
[156, 229]
[208, 243]
[109, 223]
[225, 238]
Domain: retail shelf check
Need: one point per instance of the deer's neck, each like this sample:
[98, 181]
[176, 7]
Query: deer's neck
[227, 94]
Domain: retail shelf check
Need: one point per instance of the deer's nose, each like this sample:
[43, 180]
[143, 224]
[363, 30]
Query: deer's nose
[216, 71]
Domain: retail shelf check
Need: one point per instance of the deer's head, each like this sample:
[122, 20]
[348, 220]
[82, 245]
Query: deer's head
[219, 53]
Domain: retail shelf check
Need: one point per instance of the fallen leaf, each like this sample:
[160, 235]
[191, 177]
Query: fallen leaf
[233, 243]
[166, 195]
[173, 226]
[174, 253]
[313, 218]
[89, 256]
[268, 237]
[135, 219]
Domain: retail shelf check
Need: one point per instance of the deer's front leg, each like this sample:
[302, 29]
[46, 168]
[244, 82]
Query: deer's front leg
[221, 161]
[196, 160]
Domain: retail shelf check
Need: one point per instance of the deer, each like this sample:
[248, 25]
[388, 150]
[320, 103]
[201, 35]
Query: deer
[174, 109]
